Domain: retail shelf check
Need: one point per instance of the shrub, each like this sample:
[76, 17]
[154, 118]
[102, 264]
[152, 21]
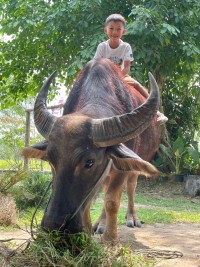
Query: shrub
[29, 191]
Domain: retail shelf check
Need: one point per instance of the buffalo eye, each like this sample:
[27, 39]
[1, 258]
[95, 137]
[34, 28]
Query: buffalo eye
[89, 163]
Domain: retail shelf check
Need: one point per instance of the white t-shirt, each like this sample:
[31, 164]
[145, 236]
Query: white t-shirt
[118, 55]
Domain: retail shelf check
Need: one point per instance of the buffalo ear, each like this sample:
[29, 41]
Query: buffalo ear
[36, 151]
[125, 159]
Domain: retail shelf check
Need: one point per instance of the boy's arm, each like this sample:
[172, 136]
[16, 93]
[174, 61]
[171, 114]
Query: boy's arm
[126, 68]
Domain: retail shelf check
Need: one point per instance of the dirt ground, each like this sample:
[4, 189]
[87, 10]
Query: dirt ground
[165, 239]
[173, 239]
[181, 238]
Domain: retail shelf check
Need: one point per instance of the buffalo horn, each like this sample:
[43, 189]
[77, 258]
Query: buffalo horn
[121, 128]
[43, 119]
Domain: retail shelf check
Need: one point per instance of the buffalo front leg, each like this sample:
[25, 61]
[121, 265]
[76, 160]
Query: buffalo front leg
[111, 206]
[99, 226]
[86, 221]
[131, 214]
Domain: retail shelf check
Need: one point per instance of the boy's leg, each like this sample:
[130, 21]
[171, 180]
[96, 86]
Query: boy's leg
[161, 119]
[136, 85]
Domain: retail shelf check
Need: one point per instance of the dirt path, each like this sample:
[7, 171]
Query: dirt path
[184, 238]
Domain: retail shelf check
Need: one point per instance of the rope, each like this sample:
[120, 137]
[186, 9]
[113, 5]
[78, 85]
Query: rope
[36, 209]
[32, 219]
[165, 254]
[69, 217]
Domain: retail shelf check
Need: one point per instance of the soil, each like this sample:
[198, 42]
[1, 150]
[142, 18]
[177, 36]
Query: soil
[172, 239]
[181, 242]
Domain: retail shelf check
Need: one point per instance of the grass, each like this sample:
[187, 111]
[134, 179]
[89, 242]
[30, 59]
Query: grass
[150, 208]
[78, 250]
[33, 164]
[181, 204]
[52, 249]
[160, 209]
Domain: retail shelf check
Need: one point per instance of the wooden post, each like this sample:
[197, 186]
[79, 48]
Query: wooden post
[27, 135]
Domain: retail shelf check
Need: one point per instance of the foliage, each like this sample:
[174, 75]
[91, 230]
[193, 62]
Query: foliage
[165, 40]
[181, 101]
[192, 160]
[63, 35]
[175, 154]
[12, 134]
[26, 187]
[47, 35]
[180, 157]
[29, 192]
[12, 123]
[163, 37]
[9, 178]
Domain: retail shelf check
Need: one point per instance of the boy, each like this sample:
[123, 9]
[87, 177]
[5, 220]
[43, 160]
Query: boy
[120, 53]
[114, 48]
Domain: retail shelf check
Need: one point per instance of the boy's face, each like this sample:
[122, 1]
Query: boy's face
[115, 30]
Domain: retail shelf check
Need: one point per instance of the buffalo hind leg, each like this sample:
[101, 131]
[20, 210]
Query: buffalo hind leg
[131, 214]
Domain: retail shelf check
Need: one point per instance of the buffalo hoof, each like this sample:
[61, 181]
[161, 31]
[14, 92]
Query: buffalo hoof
[131, 223]
[100, 229]
[138, 224]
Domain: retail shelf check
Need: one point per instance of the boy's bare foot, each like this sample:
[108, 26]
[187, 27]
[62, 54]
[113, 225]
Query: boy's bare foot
[161, 119]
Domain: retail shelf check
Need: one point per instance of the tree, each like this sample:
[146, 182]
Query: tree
[46, 35]
[63, 35]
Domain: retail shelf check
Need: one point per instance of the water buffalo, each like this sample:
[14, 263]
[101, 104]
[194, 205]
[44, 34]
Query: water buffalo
[107, 130]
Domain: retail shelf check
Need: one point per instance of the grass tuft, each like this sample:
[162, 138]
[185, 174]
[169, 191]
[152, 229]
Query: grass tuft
[52, 249]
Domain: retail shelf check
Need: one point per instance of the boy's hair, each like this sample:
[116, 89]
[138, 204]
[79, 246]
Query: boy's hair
[115, 18]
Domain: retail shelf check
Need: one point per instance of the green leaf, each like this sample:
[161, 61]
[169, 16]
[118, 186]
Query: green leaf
[194, 154]
[178, 145]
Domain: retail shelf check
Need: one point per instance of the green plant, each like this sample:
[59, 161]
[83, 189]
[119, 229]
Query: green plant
[193, 160]
[9, 178]
[179, 150]
[173, 156]
[178, 156]
[29, 192]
